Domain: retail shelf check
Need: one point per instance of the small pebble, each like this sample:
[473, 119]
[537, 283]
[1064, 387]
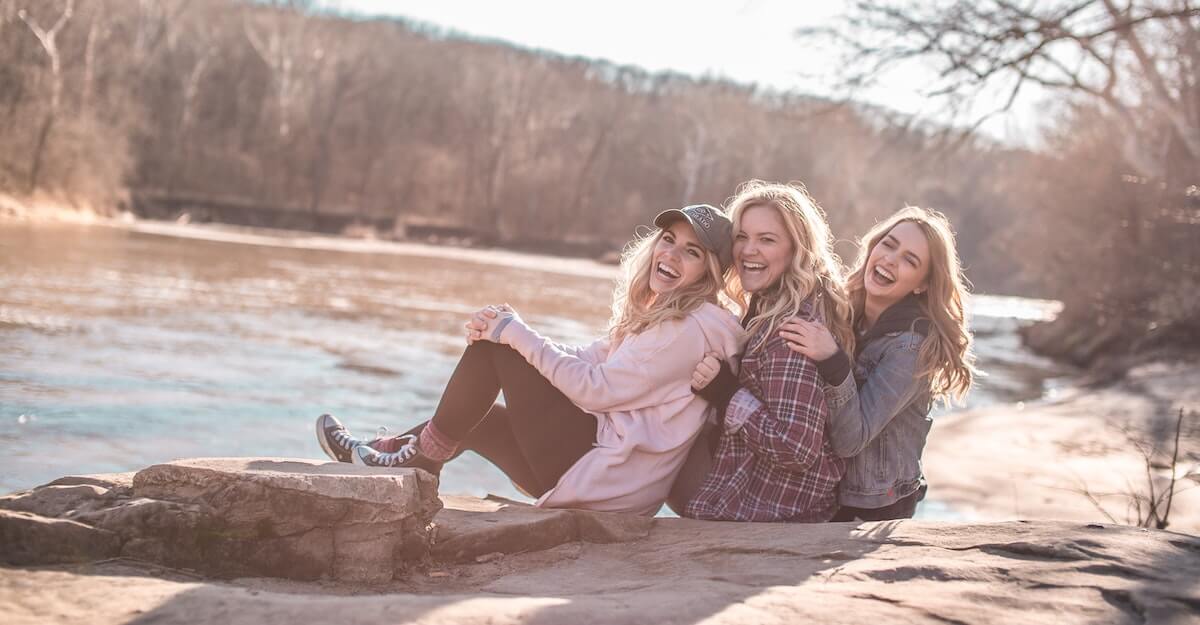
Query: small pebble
[488, 557]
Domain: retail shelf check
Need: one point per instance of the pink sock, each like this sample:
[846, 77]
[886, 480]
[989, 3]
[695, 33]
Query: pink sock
[388, 444]
[435, 445]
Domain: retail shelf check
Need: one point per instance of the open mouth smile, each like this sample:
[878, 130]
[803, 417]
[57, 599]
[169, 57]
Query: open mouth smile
[751, 267]
[882, 276]
[667, 273]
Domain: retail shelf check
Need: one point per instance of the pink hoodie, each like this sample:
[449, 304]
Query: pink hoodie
[640, 392]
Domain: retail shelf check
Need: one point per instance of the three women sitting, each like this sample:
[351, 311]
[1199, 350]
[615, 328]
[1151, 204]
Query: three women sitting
[796, 429]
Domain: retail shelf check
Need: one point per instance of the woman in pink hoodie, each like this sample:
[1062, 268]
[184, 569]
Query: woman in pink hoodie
[605, 426]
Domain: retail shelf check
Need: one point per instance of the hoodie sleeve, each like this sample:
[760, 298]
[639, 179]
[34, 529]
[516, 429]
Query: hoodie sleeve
[595, 352]
[648, 369]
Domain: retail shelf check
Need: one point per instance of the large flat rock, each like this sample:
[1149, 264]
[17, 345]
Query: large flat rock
[27, 538]
[284, 497]
[230, 517]
[686, 571]
[469, 529]
[498, 562]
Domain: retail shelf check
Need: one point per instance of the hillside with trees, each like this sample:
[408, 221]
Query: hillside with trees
[277, 114]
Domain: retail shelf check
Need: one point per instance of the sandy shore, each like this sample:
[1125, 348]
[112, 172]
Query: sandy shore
[1035, 460]
[43, 208]
[690, 572]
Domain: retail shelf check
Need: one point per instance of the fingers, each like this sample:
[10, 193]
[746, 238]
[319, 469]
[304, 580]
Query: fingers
[706, 370]
[796, 323]
[793, 337]
[799, 343]
[475, 330]
[803, 350]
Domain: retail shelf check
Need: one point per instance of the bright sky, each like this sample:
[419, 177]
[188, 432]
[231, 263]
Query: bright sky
[749, 41]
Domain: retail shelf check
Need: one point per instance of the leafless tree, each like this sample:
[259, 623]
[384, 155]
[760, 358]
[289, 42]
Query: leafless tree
[48, 37]
[280, 39]
[301, 113]
[1131, 57]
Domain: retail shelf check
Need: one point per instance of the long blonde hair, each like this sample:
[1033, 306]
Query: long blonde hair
[815, 270]
[635, 308]
[946, 359]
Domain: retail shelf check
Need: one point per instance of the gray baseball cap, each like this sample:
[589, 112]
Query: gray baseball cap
[713, 227]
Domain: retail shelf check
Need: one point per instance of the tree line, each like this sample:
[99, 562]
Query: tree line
[279, 105]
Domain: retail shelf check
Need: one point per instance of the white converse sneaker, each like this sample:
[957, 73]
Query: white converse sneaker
[335, 439]
[408, 456]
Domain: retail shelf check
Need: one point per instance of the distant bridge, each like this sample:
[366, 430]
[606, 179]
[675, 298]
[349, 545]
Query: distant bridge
[238, 211]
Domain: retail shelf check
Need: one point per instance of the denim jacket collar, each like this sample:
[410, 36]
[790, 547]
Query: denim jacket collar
[903, 316]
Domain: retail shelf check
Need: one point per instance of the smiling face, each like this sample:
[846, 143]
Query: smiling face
[898, 264]
[679, 260]
[762, 249]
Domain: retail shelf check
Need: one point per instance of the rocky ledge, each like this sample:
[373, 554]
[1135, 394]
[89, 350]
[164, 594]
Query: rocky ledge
[206, 541]
[229, 517]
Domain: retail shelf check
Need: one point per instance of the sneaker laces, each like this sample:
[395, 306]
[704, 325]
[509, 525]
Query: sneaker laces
[344, 439]
[406, 452]
[409, 450]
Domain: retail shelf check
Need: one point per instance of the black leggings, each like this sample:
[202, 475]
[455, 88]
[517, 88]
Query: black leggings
[903, 508]
[533, 437]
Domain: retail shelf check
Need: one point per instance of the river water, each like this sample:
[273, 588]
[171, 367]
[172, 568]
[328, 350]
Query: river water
[125, 346]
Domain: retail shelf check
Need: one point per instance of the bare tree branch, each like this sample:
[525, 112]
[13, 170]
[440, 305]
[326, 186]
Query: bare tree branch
[1088, 48]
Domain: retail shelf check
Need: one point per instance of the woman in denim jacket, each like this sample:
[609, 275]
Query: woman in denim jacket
[913, 346]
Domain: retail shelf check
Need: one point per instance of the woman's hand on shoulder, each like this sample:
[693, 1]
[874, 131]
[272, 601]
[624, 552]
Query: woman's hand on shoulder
[808, 338]
[706, 371]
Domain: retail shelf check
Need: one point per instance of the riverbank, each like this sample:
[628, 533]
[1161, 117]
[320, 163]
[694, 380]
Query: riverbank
[42, 208]
[272, 540]
[189, 284]
[1049, 459]
[687, 572]
[1061, 560]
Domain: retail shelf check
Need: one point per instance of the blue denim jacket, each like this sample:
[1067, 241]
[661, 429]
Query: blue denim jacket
[879, 418]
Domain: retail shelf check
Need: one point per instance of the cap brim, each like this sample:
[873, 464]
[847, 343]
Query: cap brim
[670, 216]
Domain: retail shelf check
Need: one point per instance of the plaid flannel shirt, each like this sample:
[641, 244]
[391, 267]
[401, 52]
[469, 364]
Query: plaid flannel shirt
[777, 465]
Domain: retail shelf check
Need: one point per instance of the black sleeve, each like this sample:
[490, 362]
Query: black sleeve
[721, 388]
[834, 369]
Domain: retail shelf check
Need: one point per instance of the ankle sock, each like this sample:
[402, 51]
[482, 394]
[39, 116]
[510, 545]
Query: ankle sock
[388, 444]
[435, 445]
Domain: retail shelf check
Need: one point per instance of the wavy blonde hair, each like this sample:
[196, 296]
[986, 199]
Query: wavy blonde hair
[635, 308]
[815, 270]
[946, 359]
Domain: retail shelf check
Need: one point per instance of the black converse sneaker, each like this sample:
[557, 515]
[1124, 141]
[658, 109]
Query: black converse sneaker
[335, 439]
[408, 456]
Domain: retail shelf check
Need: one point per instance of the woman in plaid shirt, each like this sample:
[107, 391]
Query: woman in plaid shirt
[773, 461]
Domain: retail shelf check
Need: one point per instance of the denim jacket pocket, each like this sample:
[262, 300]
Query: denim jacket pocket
[881, 459]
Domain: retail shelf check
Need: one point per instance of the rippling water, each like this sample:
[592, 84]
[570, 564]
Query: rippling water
[124, 347]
